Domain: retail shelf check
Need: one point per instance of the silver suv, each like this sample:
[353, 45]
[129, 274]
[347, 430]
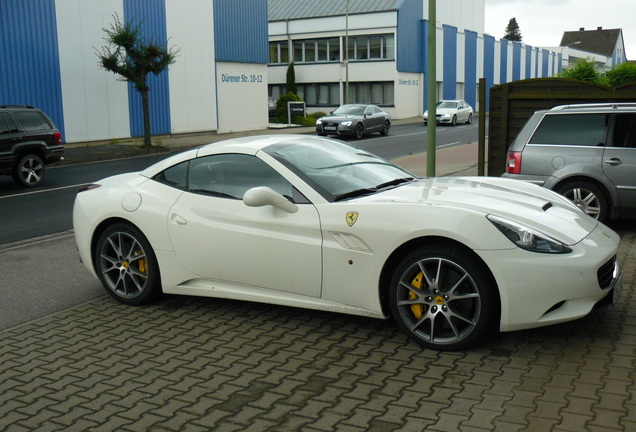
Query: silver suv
[586, 152]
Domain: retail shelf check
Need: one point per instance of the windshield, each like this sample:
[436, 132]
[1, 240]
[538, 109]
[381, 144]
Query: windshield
[350, 110]
[336, 170]
[446, 104]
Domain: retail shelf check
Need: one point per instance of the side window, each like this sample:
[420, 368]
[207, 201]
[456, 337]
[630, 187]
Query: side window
[231, 175]
[32, 120]
[572, 129]
[625, 131]
[175, 176]
[12, 128]
[4, 129]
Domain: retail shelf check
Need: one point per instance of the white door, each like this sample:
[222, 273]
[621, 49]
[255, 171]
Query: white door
[216, 236]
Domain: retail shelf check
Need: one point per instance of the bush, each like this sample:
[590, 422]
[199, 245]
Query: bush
[623, 74]
[281, 107]
[584, 70]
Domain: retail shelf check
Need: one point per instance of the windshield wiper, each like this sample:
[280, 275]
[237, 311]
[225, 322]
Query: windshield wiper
[355, 193]
[395, 182]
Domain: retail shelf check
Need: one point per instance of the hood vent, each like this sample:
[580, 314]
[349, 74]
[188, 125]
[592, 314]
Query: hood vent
[547, 206]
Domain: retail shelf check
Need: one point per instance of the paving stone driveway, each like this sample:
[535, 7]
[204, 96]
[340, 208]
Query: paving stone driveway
[192, 364]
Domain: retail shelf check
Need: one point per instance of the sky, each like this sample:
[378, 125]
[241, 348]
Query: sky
[542, 22]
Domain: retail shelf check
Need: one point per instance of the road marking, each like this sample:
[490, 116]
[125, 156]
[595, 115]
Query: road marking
[45, 190]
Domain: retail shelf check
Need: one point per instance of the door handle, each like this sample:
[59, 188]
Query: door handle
[613, 161]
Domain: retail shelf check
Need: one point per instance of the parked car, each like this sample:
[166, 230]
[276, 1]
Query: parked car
[28, 142]
[354, 120]
[586, 152]
[451, 112]
[315, 223]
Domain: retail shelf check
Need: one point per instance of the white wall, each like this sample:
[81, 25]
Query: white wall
[95, 103]
[463, 14]
[192, 80]
[242, 96]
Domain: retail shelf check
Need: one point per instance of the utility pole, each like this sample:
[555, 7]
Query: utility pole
[346, 101]
[432, 89]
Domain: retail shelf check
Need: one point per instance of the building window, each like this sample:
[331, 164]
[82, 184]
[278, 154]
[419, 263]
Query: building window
[376, 93]
[328, 94]
[378, 47]
[278, 52]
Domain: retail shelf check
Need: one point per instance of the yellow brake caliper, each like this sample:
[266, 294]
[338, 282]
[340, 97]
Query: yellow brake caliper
[142, 264]
[417, 309]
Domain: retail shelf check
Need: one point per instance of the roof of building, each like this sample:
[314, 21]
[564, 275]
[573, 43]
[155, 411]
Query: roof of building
[598, 41]
[279, 10]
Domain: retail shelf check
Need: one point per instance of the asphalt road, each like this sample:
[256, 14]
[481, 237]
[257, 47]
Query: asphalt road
[47, 209]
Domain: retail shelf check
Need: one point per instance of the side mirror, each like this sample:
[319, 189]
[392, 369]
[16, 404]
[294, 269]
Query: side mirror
[263, 196]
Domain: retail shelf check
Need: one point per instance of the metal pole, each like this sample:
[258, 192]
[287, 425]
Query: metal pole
[432, 90]
[347, 55]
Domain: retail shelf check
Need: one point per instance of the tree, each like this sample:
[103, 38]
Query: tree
[291, 79]
[512, 31]
[133, 59]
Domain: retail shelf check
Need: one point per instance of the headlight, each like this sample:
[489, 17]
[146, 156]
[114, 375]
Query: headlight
[527, 238]
[318, 121]
[346, 123]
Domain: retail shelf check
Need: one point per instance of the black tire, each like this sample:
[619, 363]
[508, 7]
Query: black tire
[126, 265]
[359, 131]
[29, 170]
[386, 128]
[453, 307]
[588, 197]
[425, 123]
[454, 121]
[470, 119]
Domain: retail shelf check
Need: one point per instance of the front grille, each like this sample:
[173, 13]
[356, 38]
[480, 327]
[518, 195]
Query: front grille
[605, 273]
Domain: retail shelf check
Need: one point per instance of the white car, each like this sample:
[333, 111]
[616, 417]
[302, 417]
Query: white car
[451, 112]
[315, 223]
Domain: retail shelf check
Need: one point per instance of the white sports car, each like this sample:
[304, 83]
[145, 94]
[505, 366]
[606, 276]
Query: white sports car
[312, 222]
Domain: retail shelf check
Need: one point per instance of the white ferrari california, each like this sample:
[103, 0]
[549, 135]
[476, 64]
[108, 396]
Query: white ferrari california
[313, 222]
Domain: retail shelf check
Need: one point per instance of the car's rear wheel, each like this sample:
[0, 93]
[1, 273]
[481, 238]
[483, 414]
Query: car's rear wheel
[385, 129]
[29, 170]
[587, 197]
[470, 119]
[443, 297]
[359, 131]
[126, 265]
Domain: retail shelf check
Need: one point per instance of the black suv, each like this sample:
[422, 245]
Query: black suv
[28, 141]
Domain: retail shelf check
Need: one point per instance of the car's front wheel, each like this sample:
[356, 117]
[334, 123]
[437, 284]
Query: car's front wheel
[470, 119]
[29, 170]
[443, 297]
[385, 129]
[359, 131]
[126, 265]
[454, 121]
[587, 197]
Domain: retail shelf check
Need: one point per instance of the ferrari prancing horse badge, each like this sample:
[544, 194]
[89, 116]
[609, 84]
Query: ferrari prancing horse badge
[352, 217]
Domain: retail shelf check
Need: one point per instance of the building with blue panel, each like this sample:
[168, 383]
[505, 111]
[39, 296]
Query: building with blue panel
[379, 49]
[218, 82]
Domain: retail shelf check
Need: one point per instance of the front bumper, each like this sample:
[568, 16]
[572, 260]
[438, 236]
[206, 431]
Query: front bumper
[543, 289]
[334, 129]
